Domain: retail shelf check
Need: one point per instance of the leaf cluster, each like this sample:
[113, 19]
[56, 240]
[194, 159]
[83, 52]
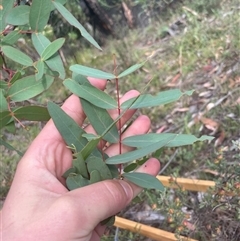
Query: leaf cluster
[30, 78]
[90, 165]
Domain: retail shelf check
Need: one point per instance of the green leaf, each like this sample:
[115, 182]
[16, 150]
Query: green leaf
[130, 167]
[144, 180]
[136, 154]
[90, 72]
[140, 141]
[55, 64]
[76, 181]
[161, 98]
[95, 176]
[114, 170]
[18, 15]
[144, 159]
[6, 6]
[70, 131]
[89, 136]
[40, 69]
[88, 149]
[39, 14]
[11, 38]
[3, 85]
[91, 94]
[74, 22]
[130, 70]
[28, 87]
[80, 165]
[3, 101]
[94, 163]
[52, 48]
[100, 120]
[10, 147]
[80, 79]
[32, 113]
[17, 56]
[59, 1]
[40, 42]
[15, 77]
[5, 117]
[70, 172]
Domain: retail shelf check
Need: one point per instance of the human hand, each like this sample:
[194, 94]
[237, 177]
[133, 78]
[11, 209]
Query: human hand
[40, 207]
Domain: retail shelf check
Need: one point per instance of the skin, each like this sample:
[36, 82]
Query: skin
[39, 206]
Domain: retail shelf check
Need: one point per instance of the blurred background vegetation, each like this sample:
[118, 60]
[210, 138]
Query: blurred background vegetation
[189, 45]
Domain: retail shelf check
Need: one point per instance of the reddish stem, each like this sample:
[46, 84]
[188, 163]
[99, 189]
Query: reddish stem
[119, 112]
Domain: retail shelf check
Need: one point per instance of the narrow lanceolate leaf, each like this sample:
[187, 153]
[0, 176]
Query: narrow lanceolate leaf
[74, 22]
[144, 180]
[91, 94]
[17, 56]
[3, 101]
[89, 136]
[70, 131]
[5, 117]
[9, 147]
[59, 1]
[162, 98]
[90, 72]
[32, 113]
[40, 42]
[100, 120]
[131, 167]
[76, 181]
[136, 154]
[52, 48]
[140, 141]
[90, 146]
[39, 14]
[6, 6]
[40, 69]
[11, 38]
[130, 70]
[28, 87]
[18, 15]
[15, 77]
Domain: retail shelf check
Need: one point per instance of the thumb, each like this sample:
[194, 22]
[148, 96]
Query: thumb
[101, 200]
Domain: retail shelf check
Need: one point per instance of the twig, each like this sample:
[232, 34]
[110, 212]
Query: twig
[116, 234]
[168, 163]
